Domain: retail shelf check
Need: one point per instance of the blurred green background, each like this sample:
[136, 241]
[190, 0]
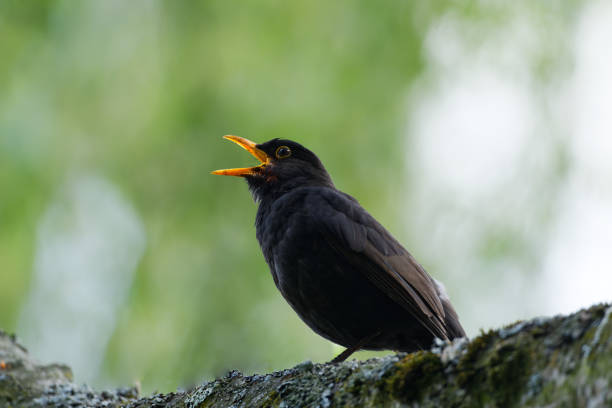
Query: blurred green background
[111, 117]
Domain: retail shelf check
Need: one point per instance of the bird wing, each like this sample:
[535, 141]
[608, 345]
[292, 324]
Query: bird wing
[358, 237]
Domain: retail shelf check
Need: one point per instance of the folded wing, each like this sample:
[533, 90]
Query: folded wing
[358, 237]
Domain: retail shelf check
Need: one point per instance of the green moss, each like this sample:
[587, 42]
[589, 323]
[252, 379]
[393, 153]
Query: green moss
[467, 366]
[539, 331]
[273, 400]
[508, 370]
[415, 374]
[495, 370]
[354, 386]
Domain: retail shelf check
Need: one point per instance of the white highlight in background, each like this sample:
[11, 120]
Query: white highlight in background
[486, 150]
[89, 243]
[578, 265]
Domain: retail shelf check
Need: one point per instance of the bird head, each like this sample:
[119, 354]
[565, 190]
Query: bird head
[284, 165]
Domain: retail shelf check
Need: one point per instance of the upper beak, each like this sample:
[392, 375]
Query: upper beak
[251, 148]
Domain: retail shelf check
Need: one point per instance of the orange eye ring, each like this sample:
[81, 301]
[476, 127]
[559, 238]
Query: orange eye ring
[282, 152]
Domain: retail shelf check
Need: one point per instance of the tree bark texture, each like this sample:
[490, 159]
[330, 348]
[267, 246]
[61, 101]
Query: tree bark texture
[564, 361]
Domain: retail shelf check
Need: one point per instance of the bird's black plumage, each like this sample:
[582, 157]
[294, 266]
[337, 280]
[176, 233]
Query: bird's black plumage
[339, 269]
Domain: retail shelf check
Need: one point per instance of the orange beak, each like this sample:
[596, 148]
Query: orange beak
[249, 147]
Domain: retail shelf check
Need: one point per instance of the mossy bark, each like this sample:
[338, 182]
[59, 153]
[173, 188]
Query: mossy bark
[565, 361]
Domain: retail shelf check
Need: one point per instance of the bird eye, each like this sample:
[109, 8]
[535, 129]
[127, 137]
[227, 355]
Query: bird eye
[283, 152]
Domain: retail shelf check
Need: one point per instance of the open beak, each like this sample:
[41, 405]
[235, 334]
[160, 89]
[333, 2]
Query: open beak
[251, 148]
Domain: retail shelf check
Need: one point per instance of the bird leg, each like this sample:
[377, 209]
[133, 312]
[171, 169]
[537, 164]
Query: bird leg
[350, 350]
[345, 354]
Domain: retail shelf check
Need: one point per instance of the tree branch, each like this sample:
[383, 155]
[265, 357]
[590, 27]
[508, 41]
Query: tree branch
[560, 361]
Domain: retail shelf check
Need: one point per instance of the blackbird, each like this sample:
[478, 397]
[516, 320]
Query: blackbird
[343, 273]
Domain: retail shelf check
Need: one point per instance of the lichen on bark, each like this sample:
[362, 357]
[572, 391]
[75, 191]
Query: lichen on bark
[559, 361]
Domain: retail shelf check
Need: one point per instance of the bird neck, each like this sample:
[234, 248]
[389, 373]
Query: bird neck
[265, 191]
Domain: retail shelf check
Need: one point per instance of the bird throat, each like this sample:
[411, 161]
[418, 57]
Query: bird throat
[269, 187]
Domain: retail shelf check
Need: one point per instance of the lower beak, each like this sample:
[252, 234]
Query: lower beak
[251, 148]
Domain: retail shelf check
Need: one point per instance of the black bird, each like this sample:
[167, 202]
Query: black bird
[343, 273]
